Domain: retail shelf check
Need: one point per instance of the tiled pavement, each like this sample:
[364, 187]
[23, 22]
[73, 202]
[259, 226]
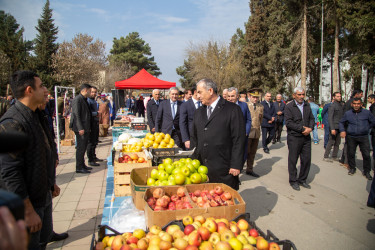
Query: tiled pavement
[79, 207]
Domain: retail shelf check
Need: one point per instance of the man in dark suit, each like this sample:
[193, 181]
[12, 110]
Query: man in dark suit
[268, 127]
[167, 118]
[299, 122]
[187, 95]
[219, 133]
[279, 120]
[152, 109]
[233, 97]
[80, 122]
[186, 118]
[140, 107]
[94, 129]
[326, 123]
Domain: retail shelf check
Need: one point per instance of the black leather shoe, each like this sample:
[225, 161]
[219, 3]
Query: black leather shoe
[368, 176]
[58, 237]
[295, 186]
[273, 142]
[98, 160]
[94, 164]
[266, 150]
[83, 171]
[305, 185]
[87, 168]
[252, 174]
[351, 171]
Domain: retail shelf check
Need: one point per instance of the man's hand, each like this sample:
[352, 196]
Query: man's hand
[343, 134]
[307, 130]
[273, 118]
[279, 113]
[187, 144]
[56, 191]
[234, 171]
[333, 132]
[32, 219]
[270, 121]
[81, 132]
[13, 234]
[153, 130]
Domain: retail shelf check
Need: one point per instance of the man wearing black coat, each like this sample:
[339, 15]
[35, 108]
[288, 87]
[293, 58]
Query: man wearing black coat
[279, 120]
[219, 133]
[140, 107]
[27, 172]
[167, 118]
[152, 109]
[268, 122]
[299, 122]
[188, 109]
[80, 122]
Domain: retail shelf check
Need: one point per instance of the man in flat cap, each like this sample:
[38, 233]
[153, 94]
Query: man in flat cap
[256, 111]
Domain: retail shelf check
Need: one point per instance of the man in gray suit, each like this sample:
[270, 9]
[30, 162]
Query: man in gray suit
[80, 122]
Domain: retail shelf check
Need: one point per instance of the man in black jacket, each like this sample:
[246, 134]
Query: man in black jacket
[26, 172]
[299, 122]
[219, 133]
[152, 109]
[94, 133]
[355, 126]
[80, 122]
[371, 100]
[279, 120]
[335, 113]
[268, 122]
[188, 109]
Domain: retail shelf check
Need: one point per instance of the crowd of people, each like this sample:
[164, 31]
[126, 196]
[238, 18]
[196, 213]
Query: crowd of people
[222, 131]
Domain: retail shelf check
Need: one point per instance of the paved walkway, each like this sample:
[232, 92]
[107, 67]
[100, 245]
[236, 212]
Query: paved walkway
[332, 215]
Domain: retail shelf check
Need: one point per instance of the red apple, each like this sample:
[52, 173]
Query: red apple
[180, 244]
[174, 198]
[162, 202]
[117, 242]
[253, 232]
[194, 239]
[188, 229]
[243, 225]
[132, 239]
[172, 206]
[158, 193]
[221, 227]
[211, 225]
[274, 246]
[222, 245]
[235, 229]
[187, 205]
[166, 197]
[262, 244]
[200, 219]
[181, 192]
[151, 201]
[219, 190]
[206, 245]
[226, 196]
[197, 192]
[165, 245]
[190, 247]
[213, 203]
[159, 208]
[204, 233]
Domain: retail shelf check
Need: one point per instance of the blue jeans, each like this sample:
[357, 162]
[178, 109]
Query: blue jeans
[40, 239]
[315, 134]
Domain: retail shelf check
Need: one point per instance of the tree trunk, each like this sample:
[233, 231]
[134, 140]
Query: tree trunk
[371, 81]
[331, 62]
[336, 57]
[304, 46]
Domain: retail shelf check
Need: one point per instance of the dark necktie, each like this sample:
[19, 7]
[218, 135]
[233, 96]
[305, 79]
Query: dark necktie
[209, 112]
[199, 104]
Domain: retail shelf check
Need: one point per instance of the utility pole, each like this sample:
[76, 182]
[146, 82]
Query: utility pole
[321, 59]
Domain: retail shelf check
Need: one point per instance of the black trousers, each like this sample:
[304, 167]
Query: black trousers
[364, 146]
[278, 130]
[176, 136]
[299, 147]
[82, 141]
[62, 127]
[334, 140]
[267, 135]
[93, 141]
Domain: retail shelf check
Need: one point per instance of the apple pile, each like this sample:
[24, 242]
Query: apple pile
[199, 233]
[160, 201]
[212, 198]
[182, 172]
[132, 158]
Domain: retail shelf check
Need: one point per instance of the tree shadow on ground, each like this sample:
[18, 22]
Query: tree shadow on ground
[259, 201]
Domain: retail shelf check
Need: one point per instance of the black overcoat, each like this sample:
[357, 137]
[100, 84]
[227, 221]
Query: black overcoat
[220, 141]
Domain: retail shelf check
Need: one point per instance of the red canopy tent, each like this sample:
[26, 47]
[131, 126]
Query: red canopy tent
[144, 80]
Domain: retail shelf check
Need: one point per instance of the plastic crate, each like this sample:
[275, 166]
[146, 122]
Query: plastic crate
[164, 151]
[159, 159]
[139, 126]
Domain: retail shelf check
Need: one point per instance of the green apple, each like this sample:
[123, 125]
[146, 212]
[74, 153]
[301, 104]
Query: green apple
[182, 160]
[176, 164]
[176, 171]
[161, 166]
[202, 169]
[187, 181]
[188, 160]
[168, 168]
[179, 178]
[155, 174]
[168, 161]
[171, 182]
[196, 163]
[196, 178]
[204, 178]
[191, 168]
[164, 183]
[171, 177]
[185, 170]
[157, 183]
[150, 182]
[163, 175]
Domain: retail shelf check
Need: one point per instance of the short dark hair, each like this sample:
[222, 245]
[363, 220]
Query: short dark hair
[372, 96]
[85, 86]
[93, 87]
[357, 99]
[193, 89]
[357, 91]
[20, 80]
[335, 93]
[187, 91]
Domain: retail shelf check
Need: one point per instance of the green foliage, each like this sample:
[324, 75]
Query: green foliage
[135, 51]
[185, 71]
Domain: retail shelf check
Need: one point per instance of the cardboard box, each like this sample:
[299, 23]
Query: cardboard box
[67, 142]
[138, 183]
[161, 218]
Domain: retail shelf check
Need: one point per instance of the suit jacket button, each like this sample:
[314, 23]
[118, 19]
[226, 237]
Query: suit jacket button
[205, 129]
[206, 144]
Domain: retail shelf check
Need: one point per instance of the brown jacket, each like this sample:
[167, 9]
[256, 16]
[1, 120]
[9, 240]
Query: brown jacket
[256, 119]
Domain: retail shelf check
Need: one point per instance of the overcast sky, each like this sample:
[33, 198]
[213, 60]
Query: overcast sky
[168, 26]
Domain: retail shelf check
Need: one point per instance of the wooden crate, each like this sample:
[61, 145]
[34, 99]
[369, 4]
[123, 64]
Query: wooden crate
[128, 167]
[67, 142]
[117, 123]
[122, 178]
[123, 190]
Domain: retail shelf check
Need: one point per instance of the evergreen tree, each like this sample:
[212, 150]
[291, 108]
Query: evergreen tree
[134, 51]
[185, 71]
[45, 45]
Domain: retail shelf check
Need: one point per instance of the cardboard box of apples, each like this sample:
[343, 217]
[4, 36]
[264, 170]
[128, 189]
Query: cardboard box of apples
[163, 204]
[126, 162]
[193, 233]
